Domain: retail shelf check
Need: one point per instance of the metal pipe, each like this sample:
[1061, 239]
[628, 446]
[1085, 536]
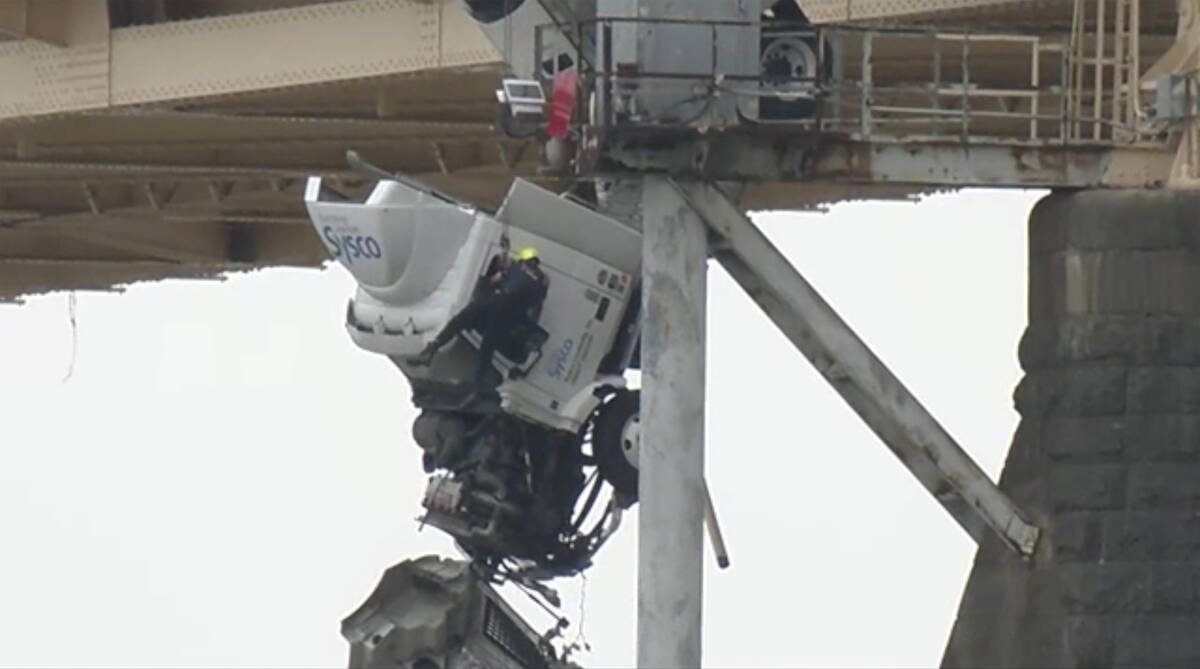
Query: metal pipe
[977, 37]
[538, 36]
[1098, 84]
[937, 74]
[1135, 66]
[671, 458]
[1064, 98]
[1119, 92]
[1034, 83]
[952, 115]
[1077, 52]
[972, 92]
[865, 112]
[608, 95]
[714, 530]
[966, 84]
[838, 78]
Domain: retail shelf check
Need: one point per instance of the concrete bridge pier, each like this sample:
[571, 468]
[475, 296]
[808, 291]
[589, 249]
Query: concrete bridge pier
[1107, 455]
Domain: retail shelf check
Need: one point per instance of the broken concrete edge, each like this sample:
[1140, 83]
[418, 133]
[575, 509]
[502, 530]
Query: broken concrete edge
[435, 611]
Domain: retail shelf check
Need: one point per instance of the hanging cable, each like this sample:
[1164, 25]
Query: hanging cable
[580, 641]
[71, 309]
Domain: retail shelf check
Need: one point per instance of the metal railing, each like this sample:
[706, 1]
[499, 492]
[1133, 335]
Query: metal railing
[880, 83]
[1105, 54]
[1012, 103]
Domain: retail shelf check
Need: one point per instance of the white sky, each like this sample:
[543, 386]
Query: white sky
[225, 476]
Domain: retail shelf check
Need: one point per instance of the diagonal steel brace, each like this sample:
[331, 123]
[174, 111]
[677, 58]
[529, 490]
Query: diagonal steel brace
[860, 377]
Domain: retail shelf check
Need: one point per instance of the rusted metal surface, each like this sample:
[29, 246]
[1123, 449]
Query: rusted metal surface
[952, 164]
[930, 162]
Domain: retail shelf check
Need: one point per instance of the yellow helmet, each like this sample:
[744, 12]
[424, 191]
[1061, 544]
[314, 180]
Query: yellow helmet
[527, 253]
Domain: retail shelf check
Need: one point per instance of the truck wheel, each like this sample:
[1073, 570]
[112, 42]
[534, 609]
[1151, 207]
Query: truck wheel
[616, 440]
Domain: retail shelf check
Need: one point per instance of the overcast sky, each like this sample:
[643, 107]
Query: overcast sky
[225, 476]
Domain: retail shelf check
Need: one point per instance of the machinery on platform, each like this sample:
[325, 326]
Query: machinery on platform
[781, 85]
[517, 473]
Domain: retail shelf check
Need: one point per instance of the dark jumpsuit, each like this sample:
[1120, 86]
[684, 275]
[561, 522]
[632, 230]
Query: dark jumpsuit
[521, 287]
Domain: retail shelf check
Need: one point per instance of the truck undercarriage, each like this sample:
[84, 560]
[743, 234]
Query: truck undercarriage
[522, 499]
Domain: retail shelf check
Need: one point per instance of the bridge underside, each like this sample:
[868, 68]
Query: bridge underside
[96, 198]
[140, 141]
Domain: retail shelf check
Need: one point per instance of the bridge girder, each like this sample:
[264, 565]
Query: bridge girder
[203, 58]
[141, 130]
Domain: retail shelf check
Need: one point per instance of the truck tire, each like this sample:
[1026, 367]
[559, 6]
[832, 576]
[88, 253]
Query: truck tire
[616, 438]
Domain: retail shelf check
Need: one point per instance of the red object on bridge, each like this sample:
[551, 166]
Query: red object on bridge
[566, 84]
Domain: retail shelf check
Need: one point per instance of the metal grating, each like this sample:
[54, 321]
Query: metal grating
[501, 630]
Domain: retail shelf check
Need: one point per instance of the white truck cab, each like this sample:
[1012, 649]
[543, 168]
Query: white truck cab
[509, 469]
[418, 255]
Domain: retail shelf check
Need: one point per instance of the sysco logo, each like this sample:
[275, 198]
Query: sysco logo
[350, 246]
[558, 364]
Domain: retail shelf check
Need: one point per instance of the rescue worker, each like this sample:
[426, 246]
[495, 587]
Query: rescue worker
[513, 290]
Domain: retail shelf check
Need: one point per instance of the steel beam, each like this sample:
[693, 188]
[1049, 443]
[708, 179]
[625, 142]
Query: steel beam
[145, 234]
[44, 172]
[861, 378]
[151, 128]
[22, 277]
[54, 22]
[203, 241]
[915, 161]
[671, 459]
[203, 58]
[312, 44]
[834, 11]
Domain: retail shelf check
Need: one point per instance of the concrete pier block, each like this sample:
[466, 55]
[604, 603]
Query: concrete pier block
[1107, 456]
